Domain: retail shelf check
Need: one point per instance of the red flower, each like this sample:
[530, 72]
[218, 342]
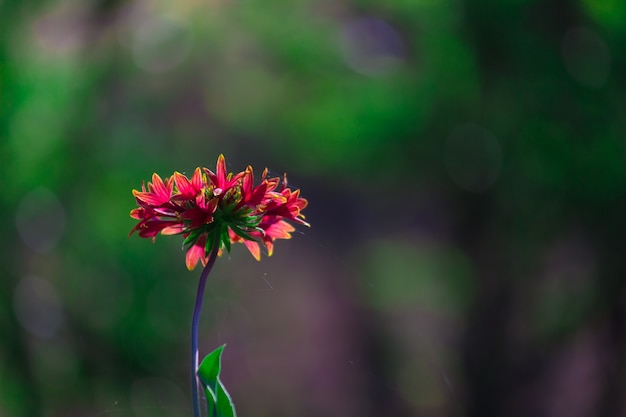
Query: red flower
[218, 208]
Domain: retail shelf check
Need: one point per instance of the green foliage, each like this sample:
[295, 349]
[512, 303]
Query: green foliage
[219, 403]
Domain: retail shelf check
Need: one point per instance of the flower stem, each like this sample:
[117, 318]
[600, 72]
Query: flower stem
[195, 323]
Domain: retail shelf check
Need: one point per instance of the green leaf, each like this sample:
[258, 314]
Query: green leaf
[219, 403]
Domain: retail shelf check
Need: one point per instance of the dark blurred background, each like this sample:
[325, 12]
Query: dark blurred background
[465, 164]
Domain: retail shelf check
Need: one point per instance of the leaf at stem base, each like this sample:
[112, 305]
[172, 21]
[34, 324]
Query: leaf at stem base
[219, 403]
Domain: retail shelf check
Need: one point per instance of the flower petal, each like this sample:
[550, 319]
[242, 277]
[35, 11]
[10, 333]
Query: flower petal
[220, 169]
[185, 189]
[195, 253]
[254, 248]
[196, 178]
[279, 230]
[270, 247]
[173, 230]
[162, 190]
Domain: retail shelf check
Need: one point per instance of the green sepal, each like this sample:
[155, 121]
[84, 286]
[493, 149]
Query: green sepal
[193, 236]
[213, 238]
[252, 221]
[241, 233]
[219, 402]
[227, 210]
[226, 238]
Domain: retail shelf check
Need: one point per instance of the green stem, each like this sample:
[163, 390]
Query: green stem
[195, 324]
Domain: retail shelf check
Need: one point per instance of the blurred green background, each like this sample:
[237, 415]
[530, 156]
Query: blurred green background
[465, 164]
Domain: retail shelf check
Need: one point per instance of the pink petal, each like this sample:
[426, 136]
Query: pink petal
[162, 190]
[279, 230]
[247, 181]
[185, 188]
[254, 249]
[172, 230]
[270, 247]
[148, 198]
[195, 253]
[196, 178]
[221, 170]
[138, 213]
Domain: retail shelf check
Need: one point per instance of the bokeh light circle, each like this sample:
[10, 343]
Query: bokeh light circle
[161, 44]
[371, 46]
[586, 57]
[37, 306]
[40, 220]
